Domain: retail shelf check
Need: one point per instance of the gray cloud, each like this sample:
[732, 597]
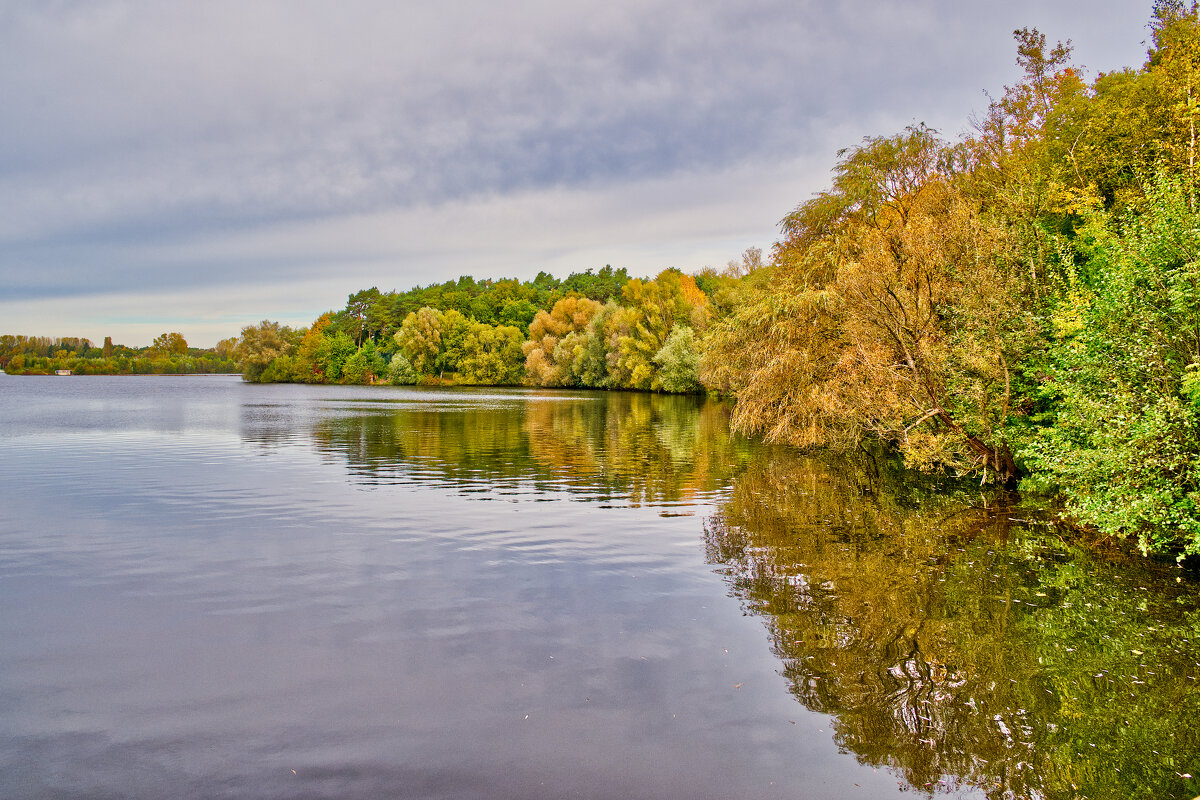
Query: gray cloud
[131, 127]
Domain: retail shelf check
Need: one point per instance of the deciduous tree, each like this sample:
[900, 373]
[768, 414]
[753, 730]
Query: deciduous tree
[571, 314]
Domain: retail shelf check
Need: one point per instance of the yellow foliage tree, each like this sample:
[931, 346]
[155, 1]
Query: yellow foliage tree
[569, 315]
[896, 309]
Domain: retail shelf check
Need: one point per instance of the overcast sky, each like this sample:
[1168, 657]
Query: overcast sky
[201, 166]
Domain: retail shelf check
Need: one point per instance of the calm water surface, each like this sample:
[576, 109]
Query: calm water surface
[214, 589]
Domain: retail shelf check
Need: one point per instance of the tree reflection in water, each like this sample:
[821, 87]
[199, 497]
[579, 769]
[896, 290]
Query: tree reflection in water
[958, 641]
[634, 448]
[966, 644]
[651, 449]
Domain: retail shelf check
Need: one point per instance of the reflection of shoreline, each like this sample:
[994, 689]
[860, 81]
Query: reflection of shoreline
[648, 448]
[955, 645]
[640, 448]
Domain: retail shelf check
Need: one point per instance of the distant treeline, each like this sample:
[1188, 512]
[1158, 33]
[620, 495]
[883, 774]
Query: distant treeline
[600, 330]
[169, 355]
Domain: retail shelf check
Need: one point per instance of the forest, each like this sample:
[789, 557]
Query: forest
[168, 355]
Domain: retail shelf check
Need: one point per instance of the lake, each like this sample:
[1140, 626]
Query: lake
[217, 589]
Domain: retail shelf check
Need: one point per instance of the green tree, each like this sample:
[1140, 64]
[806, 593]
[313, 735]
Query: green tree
[400, 372]
[601, 286]
[432, 341]
[492, 355]
[420, 339]
[456, 330]
[257, 347]
[1124, 447]
[377, 363]
[356, 369]
[333, 351]
[678, 361]
[359, 308]
[364, 365]
[517, 312]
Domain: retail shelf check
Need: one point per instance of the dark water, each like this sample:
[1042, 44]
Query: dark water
[212, 589]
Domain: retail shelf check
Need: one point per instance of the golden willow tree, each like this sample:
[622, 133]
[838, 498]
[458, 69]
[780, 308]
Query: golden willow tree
[895, 309]
[545, 363]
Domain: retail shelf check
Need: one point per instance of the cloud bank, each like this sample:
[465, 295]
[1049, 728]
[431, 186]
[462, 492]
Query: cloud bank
[215, 163]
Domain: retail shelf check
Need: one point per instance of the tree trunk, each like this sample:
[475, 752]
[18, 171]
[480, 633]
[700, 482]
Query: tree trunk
[999, 459]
